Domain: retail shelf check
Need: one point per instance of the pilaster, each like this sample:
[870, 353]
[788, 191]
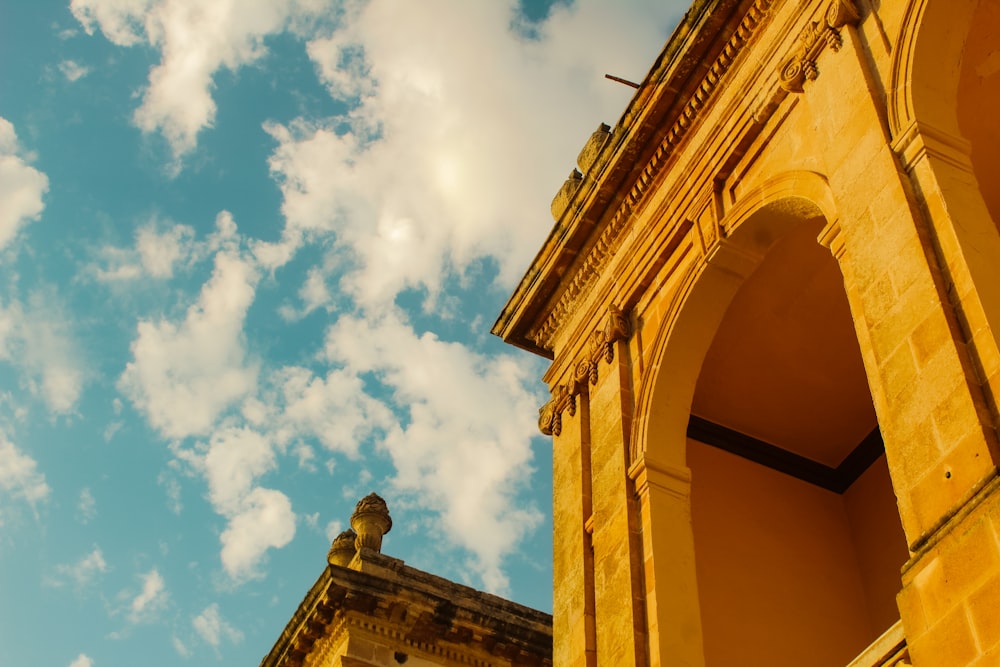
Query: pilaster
[620, 627]
[672, 612]
[572, 567]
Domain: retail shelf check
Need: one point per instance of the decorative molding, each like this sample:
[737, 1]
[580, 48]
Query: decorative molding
[607, 244]
[602, 346]
[815, 37]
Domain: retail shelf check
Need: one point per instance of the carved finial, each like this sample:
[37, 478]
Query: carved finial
[343, 548]
[371, 521]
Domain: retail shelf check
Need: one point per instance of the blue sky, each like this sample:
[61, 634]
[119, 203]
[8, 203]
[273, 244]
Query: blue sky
[250, 251]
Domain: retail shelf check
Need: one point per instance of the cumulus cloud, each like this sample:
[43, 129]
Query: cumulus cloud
[82, 660]
[19, 475]
[334, 409]
[464, 446]
[184, 375]
[21, 186]
[195, 40]
[212, 628]
[430, 172]
[258, 518]
[265, 521]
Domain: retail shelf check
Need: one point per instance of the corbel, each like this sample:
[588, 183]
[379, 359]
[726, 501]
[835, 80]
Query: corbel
[816, 36]
[602, 346]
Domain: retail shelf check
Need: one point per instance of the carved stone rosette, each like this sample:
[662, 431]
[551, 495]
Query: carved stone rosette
[343, 548]
[602, 346]
[371, 521]
[816, 36]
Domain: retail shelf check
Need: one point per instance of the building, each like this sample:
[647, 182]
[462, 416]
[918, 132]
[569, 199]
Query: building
[371, 610]
[771, 299]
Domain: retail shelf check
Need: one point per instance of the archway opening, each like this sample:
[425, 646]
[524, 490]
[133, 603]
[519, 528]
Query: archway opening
[979, 101]
[798, 544]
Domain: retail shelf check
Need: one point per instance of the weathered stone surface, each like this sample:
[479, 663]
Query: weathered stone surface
[375, 611]
[871, 125]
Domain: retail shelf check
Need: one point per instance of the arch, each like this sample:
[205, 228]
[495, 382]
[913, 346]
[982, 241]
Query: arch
[761, 218]
[924, 75]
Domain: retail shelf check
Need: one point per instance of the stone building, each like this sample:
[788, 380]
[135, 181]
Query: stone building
[771, 299]
[370, 610]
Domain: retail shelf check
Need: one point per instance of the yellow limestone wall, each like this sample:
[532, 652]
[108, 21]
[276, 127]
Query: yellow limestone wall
[890, 141]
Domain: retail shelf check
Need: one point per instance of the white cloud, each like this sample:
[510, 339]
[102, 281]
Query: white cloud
[465, 447]
[235, 458]
[81, 573]
[82, 660]
[439, 163]
[265, 521]
[258, 519]
[195, 40]
[335, 409]
[86, 506]
[333, 528]
[19, 475]
[73, 70]
[35, 338]
[159, 248]
[212, 628]
[150, 599]
[183, 376]
[21, 186]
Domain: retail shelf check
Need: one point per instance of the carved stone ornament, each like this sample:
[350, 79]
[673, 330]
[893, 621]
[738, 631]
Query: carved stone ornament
[371, 521]
[816, 36]
[602, 346]
[343, 548]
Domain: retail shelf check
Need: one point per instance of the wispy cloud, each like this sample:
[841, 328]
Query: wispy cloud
[21, 186]
[36, 338]
[86, 505]
[213, 629]
[19, 475]
[159, 248]
[72, 70]
[82, 573]
[150, 600]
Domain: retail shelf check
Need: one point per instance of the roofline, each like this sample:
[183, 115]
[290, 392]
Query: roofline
[658, 102]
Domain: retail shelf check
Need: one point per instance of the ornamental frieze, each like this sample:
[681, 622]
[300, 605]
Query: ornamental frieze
[586, 372]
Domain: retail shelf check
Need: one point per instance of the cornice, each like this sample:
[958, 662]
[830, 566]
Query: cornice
[669, 97]
[416, 610]
[568, 266]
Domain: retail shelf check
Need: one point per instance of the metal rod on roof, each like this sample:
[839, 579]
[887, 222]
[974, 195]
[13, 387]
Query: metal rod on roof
[621, 80]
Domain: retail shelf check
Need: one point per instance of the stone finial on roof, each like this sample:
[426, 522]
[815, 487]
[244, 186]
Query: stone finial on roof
[343, 548]
[371, 521]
